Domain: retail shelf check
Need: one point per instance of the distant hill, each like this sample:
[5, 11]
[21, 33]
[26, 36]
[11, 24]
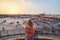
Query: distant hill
[2, 15]
[19, 15]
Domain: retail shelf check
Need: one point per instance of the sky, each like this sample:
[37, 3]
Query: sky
[29, 6]
[48, 6]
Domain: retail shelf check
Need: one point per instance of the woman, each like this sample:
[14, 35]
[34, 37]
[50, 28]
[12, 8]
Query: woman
[30, 30]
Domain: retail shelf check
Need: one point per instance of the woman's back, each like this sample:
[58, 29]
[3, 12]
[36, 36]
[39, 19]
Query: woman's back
[30, 32]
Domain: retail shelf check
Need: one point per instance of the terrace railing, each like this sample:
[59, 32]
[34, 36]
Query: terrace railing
[7, 33]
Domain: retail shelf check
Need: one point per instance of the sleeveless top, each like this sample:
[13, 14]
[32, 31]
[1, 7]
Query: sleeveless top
[30, 32]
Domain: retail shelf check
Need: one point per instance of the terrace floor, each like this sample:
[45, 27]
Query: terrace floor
[40, 37]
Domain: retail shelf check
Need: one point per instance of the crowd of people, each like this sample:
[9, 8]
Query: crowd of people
[32, 25]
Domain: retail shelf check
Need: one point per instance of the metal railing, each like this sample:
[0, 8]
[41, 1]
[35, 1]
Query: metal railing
[13, 32]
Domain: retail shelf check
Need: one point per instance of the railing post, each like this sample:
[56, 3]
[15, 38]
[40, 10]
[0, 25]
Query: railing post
[14, 32]
[0, 34]
[7, 33]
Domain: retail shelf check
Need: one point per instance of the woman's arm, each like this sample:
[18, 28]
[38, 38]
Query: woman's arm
[23, 24]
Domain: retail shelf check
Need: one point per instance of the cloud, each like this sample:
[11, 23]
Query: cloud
[26, 4]
[26, 7]
[30, 7]
[19, 7]
[16, 6]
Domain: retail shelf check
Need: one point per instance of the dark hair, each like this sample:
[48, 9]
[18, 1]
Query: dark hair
[30, 23]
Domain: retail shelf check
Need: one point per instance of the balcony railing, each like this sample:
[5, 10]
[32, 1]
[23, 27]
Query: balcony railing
[8, 33]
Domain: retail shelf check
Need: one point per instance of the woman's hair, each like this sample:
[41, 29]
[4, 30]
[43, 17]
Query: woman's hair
[30, 23]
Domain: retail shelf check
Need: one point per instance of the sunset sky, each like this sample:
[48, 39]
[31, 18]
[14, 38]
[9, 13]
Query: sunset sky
[29, 6]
